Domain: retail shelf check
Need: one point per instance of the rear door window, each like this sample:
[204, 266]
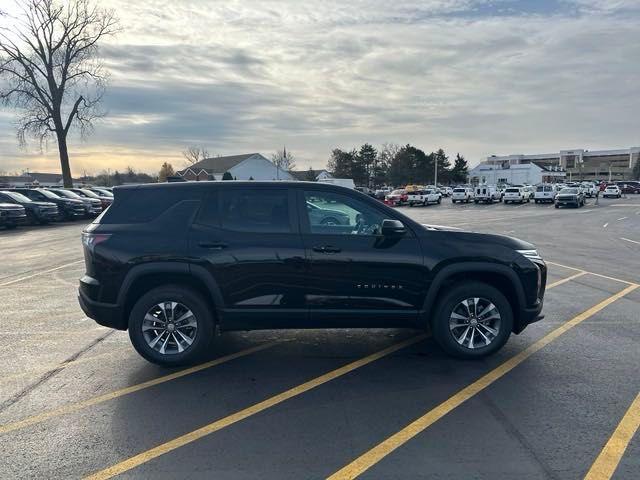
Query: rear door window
[255, 210]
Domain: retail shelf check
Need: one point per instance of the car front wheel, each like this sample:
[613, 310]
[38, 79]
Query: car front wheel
[171, 325]
[473, 320]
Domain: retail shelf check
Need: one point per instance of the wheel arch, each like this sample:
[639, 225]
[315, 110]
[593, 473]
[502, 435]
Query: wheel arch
[499, 276]
[143, 278]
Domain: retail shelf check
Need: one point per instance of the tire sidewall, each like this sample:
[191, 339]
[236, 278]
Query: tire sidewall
[192, 300]
[440, 321]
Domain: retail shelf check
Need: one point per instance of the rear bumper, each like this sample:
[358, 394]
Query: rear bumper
[106, 314]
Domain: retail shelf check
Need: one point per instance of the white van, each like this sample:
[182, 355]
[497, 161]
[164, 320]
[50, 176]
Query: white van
[487, 194]
[462, 194]
[545, 193]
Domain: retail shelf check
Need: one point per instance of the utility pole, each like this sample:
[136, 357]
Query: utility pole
[435, 176]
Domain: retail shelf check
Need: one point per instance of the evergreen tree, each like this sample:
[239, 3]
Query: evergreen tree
[364, 165]
[341, 163]
[444, 166]
[227, 176]
[460, 170]
[403, 168]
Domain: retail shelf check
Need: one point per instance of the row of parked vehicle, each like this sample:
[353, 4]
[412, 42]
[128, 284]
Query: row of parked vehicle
[24, 205]
[562, 194]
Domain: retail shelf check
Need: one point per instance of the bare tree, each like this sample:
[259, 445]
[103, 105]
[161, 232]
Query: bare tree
[284, 160]
[195, 154]
[50, 70]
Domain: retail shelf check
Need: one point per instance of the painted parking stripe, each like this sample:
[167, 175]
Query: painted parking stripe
[190, 437]
[607, 462]
[565, 280]
[21, 279]
[590, 273]
[380, 451]
[629, 240]
[74, 407]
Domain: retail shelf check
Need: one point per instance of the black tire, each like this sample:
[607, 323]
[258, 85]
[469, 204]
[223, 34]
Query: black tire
[10, 226]
[440, 322]
[194, 302]
[329, 221]
[439, 201]
[557, 206]
[453, 201]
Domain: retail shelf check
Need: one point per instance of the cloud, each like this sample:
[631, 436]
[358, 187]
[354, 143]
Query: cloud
[478, 77]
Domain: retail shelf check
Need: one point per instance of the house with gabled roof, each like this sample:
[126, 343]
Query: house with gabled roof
[249, 166]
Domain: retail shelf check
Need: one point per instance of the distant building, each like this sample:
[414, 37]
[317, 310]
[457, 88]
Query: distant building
[241, 167]
[34, 179]
[579, 164]
[515, 174]
[317, 174]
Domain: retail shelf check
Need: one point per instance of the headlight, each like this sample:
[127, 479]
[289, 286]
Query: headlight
[530, 254]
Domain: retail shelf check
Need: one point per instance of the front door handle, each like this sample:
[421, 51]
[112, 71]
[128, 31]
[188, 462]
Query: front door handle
[327, 249]
[213, 245]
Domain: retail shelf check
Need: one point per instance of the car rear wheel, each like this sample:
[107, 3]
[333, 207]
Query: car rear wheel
[473, 320]
[171, 325]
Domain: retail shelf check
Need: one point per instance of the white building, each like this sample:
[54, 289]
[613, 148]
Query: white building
[250, 166]
[580, 164]
[515, 174]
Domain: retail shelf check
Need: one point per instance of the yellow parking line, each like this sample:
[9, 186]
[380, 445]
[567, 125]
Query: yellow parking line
[74, 407]
[565, 280]
[607, 462]
[167, 447]
[377, 453]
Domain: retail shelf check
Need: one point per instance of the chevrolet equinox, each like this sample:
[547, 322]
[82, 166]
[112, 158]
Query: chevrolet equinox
[176, 263]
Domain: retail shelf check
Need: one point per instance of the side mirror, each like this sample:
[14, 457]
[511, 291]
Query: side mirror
[391, 228]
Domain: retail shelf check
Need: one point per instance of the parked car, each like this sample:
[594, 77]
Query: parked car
[68, 208]
[174, 263]
[101, 192]
[37, 212]
[486, 194]
[590, 190]
[545, 193]
[324, 216]
[629, 186]
[12, 215]
[462, 194]
[92, 206]
[105, 201]
[398, 197]
[424, 197]
[570, 196]
[530, 190]
[516, 195]
[612, 191]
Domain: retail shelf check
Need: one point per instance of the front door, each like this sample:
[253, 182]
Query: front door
[248, 240]
[357, 277]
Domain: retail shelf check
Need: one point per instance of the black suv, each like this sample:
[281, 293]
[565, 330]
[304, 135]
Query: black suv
[37, 212]
[68, 208]
[176, 263]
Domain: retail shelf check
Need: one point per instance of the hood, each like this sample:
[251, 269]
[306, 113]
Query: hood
[483, 238]
[43, 204]
[10, 206]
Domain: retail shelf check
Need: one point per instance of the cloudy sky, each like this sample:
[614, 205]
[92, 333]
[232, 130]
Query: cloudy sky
[476, 76]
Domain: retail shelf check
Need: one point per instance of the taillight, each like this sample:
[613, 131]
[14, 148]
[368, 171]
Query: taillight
[90, 240]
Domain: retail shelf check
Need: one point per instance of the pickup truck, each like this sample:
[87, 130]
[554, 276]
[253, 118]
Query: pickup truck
[424, 197]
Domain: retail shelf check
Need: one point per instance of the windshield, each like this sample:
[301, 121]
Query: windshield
[18, 197]
[68, 194]
[87, 193]
[49, 194]
[569, 191]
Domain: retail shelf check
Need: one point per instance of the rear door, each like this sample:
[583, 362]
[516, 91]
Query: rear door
[248, 240]
[356, 276]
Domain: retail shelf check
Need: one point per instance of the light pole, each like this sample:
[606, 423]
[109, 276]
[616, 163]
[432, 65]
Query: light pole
[435, 175]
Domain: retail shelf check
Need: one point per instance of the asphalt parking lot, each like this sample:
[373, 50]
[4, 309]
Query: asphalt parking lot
[560, 401]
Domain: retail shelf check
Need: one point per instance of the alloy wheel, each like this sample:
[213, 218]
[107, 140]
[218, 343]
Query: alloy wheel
[475, 322]
[169, 328]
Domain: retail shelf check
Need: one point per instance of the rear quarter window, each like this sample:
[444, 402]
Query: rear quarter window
[145, 204]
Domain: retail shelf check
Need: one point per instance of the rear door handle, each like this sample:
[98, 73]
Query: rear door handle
[327, 249]
[213, 245]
